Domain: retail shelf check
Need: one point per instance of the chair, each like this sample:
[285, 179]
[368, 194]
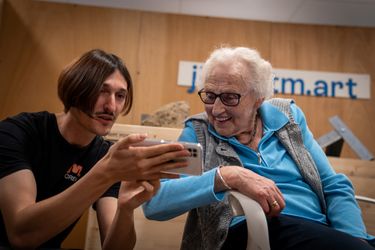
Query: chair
[361, 173]
[257, 229]
[256, 220]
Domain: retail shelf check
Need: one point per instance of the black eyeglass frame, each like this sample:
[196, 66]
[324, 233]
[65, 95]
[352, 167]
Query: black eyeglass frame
[222, 99]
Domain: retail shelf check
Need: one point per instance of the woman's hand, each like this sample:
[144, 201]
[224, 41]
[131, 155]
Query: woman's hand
[255, 186]
[123, 162]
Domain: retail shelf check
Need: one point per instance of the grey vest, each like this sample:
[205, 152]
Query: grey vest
[207, 227]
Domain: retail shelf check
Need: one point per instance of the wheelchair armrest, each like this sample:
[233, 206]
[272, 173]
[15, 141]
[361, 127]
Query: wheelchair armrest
[255, 218]
[365, 199]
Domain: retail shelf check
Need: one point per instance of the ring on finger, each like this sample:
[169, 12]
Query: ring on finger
[274, 203]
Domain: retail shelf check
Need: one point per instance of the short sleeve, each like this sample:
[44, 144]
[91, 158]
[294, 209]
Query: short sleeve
[14, 151]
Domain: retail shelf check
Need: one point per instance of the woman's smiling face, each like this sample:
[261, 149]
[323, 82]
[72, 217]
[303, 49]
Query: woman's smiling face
[230, 120]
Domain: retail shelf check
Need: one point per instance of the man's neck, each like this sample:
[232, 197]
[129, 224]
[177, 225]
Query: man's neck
[72, 131]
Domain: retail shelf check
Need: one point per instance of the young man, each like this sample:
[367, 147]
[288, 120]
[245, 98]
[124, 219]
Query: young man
[54, 166]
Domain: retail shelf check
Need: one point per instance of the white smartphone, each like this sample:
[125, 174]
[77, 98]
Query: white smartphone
[195, 160]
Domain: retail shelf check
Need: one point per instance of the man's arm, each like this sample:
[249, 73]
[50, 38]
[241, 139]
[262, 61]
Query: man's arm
[31, 223]
[116, 217]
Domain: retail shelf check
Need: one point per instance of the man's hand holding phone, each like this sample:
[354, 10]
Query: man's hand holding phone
[125, 161]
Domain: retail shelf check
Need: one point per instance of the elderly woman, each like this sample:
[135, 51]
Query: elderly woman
[243, 152]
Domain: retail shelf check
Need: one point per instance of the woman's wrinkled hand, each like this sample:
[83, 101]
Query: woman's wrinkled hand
[255, 186]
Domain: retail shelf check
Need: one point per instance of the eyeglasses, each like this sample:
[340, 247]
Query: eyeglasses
[228, 99]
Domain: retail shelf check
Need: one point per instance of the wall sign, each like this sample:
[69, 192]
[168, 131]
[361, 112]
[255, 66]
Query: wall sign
[189, 74]
[295, 82]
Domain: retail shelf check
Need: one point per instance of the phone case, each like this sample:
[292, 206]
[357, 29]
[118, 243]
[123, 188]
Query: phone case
[195, 160]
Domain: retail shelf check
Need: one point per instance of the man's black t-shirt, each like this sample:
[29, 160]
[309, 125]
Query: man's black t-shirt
[33, 141]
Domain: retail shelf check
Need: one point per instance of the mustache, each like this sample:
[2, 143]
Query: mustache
[105, 113]
[93, 115]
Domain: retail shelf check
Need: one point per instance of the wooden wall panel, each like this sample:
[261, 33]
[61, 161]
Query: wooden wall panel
[38, 39]
[1, 11]
[176, 38]
[324, 48]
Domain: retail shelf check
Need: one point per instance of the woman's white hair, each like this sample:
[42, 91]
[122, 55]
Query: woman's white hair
[248, 64]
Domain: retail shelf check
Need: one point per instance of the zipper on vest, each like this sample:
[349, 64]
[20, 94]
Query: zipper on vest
[259, 158]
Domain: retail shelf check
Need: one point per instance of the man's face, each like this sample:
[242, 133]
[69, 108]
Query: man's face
[230, 120]
[108, 106]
